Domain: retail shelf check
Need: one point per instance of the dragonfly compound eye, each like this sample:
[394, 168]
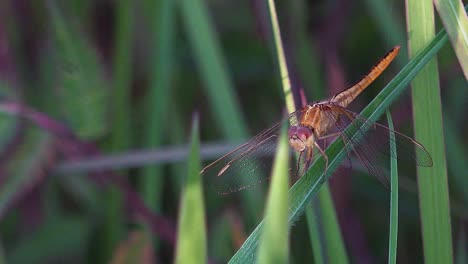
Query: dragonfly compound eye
[298, 137]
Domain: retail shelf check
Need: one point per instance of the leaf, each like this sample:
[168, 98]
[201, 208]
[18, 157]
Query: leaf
[455, 21]
[393, 234]
[78, 79]
[24, 168]
[274, 242]
[191, 237]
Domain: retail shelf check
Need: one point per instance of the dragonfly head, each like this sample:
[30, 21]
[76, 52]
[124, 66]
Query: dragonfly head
[300, 137]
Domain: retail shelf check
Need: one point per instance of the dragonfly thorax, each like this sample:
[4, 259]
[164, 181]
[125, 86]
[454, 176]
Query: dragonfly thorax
[300, 138]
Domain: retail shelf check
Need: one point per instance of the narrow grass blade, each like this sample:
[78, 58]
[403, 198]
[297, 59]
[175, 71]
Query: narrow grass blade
[212, 68]
[218, 85]
[309, 184]
[333, 245]
[159, 96]
[191, 237]
[455, 21]
[120, 137]
[274, 240]
[286, 83]
[315, 232]
[121, 105]
[393, 236]
[428, 130]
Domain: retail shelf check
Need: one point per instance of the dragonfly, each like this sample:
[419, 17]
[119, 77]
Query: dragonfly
[309, 128]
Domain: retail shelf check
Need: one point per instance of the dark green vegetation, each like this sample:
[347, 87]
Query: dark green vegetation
[83, 81]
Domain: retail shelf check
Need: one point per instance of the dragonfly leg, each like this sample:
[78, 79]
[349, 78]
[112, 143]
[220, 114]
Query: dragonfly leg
[298, 166]
[330, 135]
[324, 156]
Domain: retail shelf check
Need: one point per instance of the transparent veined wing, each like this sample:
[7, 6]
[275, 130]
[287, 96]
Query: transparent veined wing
[250, 163]
[370, 142]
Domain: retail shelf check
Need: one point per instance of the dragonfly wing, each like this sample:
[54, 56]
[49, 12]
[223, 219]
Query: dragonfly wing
[249, 164]
[371, 142]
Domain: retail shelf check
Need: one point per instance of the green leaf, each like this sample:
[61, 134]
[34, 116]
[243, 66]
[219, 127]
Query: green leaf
[191, 237]
[393, 234]
[78, 79]
[455, 21]
[23, 169]
[309, 184]
[274, 242]
[428, 130]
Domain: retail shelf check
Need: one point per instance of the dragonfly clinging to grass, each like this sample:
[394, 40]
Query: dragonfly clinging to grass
[308, 128]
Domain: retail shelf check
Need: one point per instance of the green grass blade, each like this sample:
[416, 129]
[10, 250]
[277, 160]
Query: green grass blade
[159, 96]
[315, 232]
[455, 21]
[428, 129]
[218, 85]
[274, 242]
[121, 108]
[286, 83]
[324, 229]
[120, 138]
[333, 246]
[333, 241]
[393, 236]
[309, 184]
[191, 237]
[212, 68]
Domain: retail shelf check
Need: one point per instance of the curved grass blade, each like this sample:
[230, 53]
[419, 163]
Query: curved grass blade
[392, 247]
[309, 184]
[191, 237]
[331, 244]
[274, 243]
[455, 21]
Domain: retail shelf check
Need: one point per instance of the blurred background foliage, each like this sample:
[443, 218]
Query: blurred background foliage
[126, 78]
